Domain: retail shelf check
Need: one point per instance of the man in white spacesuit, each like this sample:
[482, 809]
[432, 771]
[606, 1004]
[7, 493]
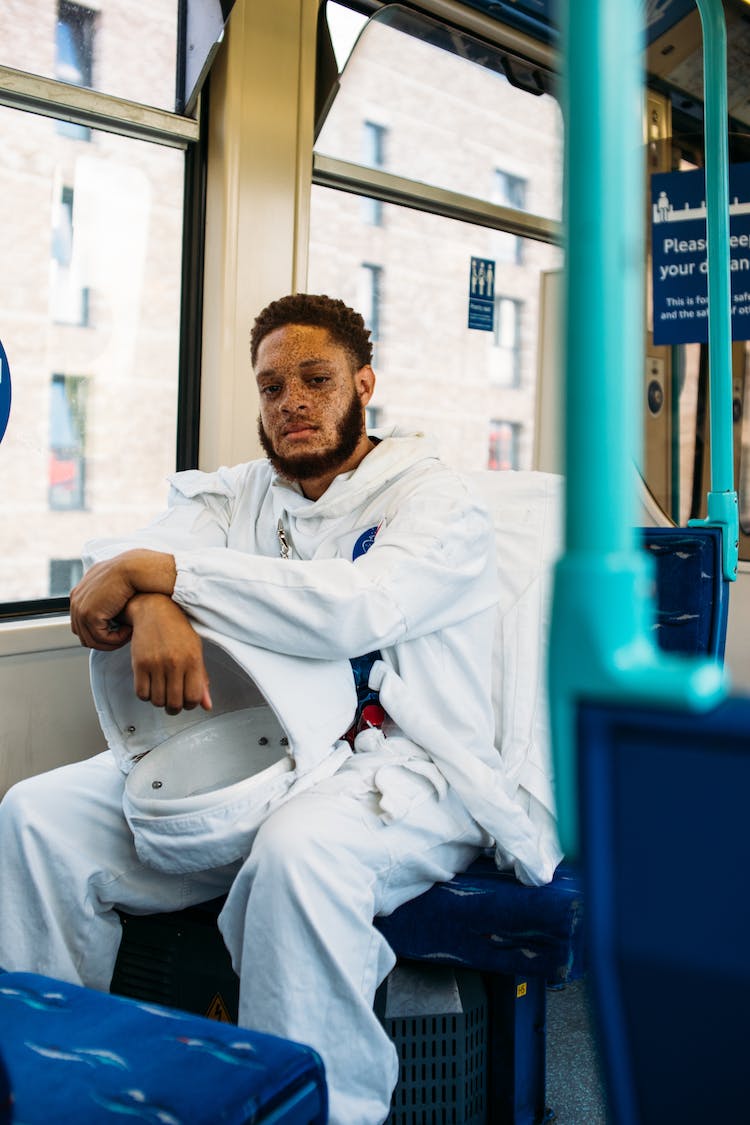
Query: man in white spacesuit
[338, 545]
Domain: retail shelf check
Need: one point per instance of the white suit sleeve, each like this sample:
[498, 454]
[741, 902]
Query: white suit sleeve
[199, 513]
[431, 566]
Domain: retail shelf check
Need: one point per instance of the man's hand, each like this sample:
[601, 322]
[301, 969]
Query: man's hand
[166, 655]
[98, 601]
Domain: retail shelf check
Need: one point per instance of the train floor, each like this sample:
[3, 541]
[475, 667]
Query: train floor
[574, 1087]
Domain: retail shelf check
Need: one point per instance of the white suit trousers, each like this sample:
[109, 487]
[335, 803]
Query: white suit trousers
[297, 921]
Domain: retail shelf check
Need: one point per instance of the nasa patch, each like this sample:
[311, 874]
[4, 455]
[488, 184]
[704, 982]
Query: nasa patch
[364, 542]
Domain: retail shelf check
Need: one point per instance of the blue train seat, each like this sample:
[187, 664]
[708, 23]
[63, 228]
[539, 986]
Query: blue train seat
[523, 939]
[663, 813]
[72, 1054]
[692, 595]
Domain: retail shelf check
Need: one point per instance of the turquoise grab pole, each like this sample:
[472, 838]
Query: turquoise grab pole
[601, 642]
[722, 499]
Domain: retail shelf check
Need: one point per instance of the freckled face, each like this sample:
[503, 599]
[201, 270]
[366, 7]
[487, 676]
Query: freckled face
[312, 404]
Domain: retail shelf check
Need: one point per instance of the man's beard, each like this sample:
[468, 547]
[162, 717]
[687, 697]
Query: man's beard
[310, 465]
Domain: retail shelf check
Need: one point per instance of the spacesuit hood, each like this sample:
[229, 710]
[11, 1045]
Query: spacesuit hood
[313, 700]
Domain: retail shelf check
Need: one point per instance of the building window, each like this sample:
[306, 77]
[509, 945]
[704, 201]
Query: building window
[74, 56]
[509, 191]
[63, 576]
[370, 298]
[69, 301]
[373, 156]
[67, 466]
[505, 370]
[503, 445]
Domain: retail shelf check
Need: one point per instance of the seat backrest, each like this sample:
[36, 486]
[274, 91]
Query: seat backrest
[527, 509]
[527, 512]
[665, 848]
[692, 595]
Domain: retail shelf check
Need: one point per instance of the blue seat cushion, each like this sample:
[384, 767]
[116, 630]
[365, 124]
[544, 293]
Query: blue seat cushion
[74, 1054]
[485, 919]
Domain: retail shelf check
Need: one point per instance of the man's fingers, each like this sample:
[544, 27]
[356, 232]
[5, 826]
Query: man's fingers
[166, 655]
[159, 695]
[142, 684]
[196, 688]
[105, 636]
[174, 693]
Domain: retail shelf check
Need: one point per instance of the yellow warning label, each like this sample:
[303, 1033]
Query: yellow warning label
[521, 989]
[217, 1010]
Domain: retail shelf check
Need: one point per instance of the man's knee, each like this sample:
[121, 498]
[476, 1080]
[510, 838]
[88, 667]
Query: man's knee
[283, 840]
[303, 835]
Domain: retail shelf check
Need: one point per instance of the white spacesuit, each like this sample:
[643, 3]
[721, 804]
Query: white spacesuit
[396, 558]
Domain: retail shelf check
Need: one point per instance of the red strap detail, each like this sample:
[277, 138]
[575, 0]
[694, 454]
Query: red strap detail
[372, 715]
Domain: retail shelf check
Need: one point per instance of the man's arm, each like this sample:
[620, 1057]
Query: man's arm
[127, 598]
[98, 601]
[432, 565]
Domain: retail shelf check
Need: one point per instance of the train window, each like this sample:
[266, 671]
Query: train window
[90, 317]
[92, 182]
[121, 47]
[344, 26]
[451, 122]
[433, 372]
[412, 118]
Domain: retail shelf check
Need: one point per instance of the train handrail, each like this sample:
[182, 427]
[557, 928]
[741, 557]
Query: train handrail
[722, 499]
[601, 641]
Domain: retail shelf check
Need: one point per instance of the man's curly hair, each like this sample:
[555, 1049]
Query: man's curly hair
[346, 327]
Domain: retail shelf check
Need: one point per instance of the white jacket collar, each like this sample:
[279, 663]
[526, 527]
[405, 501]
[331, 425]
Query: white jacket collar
[397, 450]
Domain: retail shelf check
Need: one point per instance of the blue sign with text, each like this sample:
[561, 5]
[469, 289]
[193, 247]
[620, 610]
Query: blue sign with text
[679, 261]
[4, 391]
[482, 294]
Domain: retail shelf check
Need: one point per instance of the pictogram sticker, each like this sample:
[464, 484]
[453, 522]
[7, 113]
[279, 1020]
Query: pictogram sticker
[217, 1010]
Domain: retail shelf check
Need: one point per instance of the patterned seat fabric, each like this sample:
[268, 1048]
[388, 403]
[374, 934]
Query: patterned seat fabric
[101, 1057]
